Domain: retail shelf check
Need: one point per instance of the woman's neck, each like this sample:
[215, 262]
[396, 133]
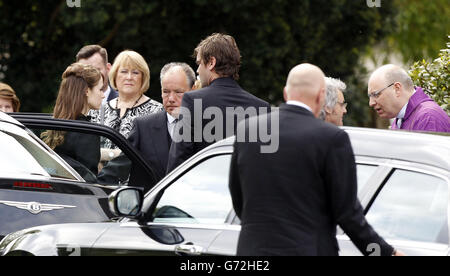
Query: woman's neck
[128, 99]
[124, 102]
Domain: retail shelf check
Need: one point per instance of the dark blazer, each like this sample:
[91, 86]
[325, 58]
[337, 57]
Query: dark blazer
[291, 201]
[151, 138]
[221, 93]
[112, 94]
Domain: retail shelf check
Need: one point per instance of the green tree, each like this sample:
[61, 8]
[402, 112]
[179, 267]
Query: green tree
[41, 39]
[434, 77]
[421, 28]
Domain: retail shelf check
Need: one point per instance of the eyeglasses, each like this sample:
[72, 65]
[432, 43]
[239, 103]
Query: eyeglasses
[377, 94]
[343, 105]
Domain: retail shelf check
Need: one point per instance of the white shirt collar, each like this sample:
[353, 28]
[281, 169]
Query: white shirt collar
[170, 118]
[402, 112]
[297, 103]
[107, 91]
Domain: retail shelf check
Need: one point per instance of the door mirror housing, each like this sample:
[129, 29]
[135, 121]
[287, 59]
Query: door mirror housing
[126, 202]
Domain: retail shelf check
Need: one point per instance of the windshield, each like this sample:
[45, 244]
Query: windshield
[23, 155]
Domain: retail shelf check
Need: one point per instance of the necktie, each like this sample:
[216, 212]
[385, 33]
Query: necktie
[172, 129]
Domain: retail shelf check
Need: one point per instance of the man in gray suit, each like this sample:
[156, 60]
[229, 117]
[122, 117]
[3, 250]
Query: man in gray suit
[152, 134]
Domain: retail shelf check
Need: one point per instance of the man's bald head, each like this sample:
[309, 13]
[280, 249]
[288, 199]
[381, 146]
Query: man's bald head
[389, 89]
[391, 73]
[306, 83]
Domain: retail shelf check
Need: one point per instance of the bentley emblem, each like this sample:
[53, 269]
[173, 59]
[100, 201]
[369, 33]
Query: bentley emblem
[35, 207]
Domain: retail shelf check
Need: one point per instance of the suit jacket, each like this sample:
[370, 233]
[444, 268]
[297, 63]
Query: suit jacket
[82, 152]
[112, 94]
[220, 94]
[151, 138]
[291, 201]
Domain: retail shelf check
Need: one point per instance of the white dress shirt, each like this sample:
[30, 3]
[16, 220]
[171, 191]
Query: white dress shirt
[297, 103]
[171, 122]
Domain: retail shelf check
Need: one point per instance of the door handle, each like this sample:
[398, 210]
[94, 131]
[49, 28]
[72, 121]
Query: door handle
[188, 249]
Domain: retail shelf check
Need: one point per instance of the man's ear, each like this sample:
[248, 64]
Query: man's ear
[211, 63]
[397, 89]
[285, 95]
[108, 67]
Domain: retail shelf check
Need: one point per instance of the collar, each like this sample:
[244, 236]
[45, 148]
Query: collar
[402, 112]
[170, 118]
[106, 93]
[297, 103]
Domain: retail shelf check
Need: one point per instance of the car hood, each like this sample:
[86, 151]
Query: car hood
[54, 240]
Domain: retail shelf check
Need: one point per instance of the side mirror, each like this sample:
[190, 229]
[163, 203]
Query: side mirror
[126, 202]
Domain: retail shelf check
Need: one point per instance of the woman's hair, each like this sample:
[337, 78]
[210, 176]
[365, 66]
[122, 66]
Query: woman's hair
[7, 93]
[133, 60]
[72, 99]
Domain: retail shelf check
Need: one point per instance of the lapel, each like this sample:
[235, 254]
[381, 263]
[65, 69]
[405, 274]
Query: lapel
[159, 137]
[112, 94]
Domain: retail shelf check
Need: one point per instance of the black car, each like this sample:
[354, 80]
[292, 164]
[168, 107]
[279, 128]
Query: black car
[37, 186]
[403, 181]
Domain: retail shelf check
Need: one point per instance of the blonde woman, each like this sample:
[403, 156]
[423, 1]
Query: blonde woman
[130, 76]
[79, 92]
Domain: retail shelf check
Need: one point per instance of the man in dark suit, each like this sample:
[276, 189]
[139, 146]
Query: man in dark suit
[211, 113]
[152, 134]
[291, 201]
[97, 56]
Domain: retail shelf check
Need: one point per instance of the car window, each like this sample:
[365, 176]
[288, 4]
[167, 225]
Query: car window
[26, 156]
[411, 206]
[363, 174]
[199, 196]
[87, 156]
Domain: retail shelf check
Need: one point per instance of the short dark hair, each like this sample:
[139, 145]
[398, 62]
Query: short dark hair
[225, 50]
[90, 50]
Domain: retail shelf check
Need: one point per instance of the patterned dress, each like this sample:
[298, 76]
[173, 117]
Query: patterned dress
[124, 124]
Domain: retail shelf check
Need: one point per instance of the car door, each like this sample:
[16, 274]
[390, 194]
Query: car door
[187, 214]
[114, 167]
[408, 208]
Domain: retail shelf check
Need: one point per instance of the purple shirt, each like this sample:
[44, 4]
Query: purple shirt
[423, 114]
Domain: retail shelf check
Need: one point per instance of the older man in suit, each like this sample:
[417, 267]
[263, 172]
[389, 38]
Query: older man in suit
[152, 134]
[291, 201]
[213, 111]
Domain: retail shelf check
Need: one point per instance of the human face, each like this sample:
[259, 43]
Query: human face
[203, 71]
[97, 61]
[129, 80]
[173, 86]
[6, 105]
[385, 101]
[95, 96]
[336, 115]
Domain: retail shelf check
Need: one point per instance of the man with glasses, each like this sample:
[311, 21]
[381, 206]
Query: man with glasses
[334, 108]
[393, 96]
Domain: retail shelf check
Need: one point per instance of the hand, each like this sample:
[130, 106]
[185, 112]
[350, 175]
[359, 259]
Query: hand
[398, 253]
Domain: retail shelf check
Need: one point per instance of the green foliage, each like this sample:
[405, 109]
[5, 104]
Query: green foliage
[421, 28]
[434, 77]
[42, 38]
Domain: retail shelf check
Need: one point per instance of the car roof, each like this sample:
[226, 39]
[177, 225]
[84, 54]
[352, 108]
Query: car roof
[6, 118]
[424, 148]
